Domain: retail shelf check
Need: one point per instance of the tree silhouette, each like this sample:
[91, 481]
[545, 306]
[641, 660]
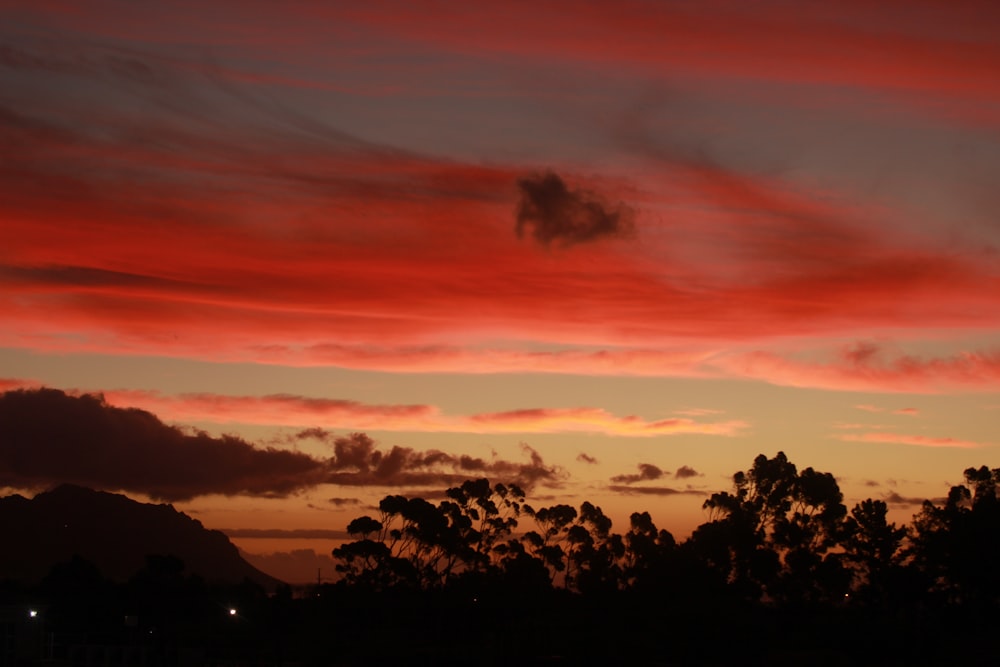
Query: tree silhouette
[873, 549]
[955, 545]
[650, 554]
[775, 534]
[417, 544]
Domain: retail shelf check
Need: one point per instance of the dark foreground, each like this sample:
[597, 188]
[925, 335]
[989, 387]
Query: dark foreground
[339, 626]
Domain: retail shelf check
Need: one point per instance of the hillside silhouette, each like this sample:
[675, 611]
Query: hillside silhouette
[114, 533]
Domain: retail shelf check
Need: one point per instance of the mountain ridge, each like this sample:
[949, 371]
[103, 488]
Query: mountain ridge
[115, 533]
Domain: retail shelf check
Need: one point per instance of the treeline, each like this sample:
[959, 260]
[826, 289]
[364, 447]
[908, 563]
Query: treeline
[781, 538]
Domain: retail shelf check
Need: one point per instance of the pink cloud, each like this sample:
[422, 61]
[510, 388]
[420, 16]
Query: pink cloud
[276, 409]
[291, 410]
[914, 440]
[909, 412]
[6, 384]
[865, 367]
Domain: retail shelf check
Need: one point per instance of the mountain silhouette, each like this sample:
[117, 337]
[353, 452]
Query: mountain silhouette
[115, 533]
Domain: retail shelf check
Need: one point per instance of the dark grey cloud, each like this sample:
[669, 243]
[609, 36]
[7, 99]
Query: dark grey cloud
[583, 457]
[897, 500]
[48, 437]
[357, 461]
[685, 472]
[647, 472]
[315, 433]
[555, 214]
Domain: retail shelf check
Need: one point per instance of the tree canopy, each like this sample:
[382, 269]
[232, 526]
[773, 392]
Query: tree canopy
[779, 537]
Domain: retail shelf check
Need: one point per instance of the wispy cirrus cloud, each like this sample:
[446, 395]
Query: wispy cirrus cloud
[302, 411]
[867, 366]
[228, 218]
[909, 412]
[882, 437]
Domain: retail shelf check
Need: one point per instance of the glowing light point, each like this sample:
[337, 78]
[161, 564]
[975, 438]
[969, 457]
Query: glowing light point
[32, 613]
[232, 611]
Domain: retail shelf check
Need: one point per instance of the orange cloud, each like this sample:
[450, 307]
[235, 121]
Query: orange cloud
[548, 420]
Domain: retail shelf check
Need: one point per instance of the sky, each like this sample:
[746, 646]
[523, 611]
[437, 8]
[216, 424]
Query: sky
[607, 251]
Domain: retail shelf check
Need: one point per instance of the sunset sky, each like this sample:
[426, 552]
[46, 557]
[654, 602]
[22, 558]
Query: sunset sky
[611, 251]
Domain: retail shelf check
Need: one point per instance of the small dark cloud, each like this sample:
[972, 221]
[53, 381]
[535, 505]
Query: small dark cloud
[583, 457]
[897, 500]
[871, 482]
[344, 502]
[431, 495]
[647, 472]
[287, 534]
[861, 353]
[555, 214]
[685, 472]
[654, 491]
[314, 433]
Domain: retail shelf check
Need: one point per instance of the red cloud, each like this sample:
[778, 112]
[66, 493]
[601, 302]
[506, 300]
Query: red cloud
[866, 368]
[226, 226]
[864, 47]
